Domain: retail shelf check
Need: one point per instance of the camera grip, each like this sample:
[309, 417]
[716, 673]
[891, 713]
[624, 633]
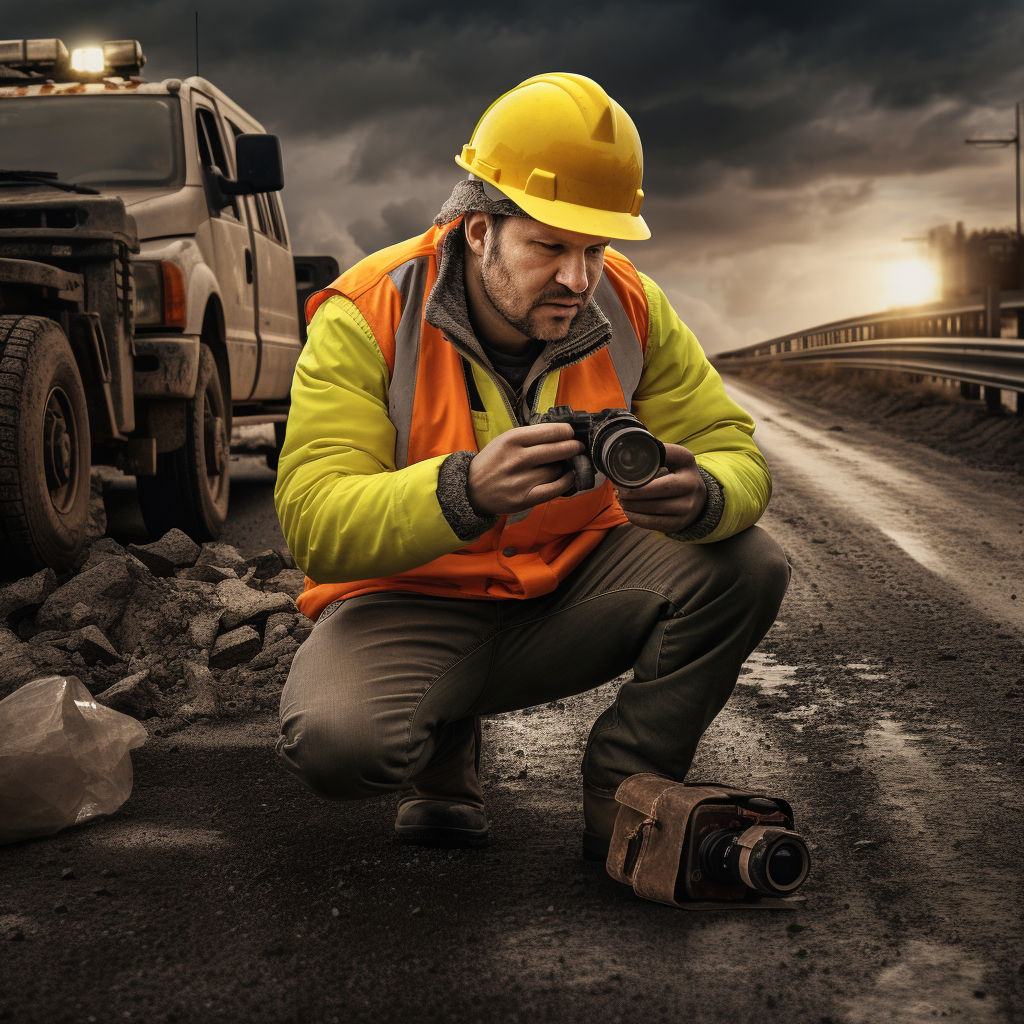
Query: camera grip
[583, 472]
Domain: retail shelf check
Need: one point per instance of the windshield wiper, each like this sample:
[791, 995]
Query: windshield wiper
[44, 178]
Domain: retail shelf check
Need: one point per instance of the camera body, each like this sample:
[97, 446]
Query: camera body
[615, 443]
[705, 845]
[735, 849]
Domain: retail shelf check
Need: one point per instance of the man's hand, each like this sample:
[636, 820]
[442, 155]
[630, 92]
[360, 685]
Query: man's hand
[521, 468]
[672, 500]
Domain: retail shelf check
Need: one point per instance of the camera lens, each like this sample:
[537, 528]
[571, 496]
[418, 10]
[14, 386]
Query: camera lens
[785, 863]
[630, 456]
[771, 861]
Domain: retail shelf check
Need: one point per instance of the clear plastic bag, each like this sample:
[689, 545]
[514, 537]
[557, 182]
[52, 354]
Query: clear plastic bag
[63, 758]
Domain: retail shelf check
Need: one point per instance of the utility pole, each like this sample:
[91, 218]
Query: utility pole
[1015, 142]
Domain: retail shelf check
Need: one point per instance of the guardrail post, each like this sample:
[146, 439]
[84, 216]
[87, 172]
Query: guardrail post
[993, 315]
[969, 390]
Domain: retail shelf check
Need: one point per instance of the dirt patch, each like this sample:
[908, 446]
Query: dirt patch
[927, 413]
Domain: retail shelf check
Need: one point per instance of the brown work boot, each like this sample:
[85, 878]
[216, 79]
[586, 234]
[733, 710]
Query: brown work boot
[600, 808]
[446, 809]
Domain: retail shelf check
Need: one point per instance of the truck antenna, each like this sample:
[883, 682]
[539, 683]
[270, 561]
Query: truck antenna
[197, 44]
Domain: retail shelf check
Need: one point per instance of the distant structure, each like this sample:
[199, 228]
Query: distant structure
[969, 263]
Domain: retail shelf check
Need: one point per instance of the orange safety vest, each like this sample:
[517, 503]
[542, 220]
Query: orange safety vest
[429, 405]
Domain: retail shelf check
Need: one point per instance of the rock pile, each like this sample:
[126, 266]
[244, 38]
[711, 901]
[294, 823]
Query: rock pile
[170, 629]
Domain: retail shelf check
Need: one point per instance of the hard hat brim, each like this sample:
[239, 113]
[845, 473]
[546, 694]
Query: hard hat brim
[585, 220]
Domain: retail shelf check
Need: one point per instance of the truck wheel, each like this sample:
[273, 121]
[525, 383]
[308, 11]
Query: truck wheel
[44, 447]
[274, 457]
[190, 489]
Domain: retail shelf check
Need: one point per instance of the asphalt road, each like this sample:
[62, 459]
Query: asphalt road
[885, 704]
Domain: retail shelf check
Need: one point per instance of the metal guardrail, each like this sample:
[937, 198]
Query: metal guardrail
[992, 362]
[952, 341]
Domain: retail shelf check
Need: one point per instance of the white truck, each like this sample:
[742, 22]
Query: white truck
[148, 295]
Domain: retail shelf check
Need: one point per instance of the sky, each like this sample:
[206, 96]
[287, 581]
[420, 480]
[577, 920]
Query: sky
[789, 148]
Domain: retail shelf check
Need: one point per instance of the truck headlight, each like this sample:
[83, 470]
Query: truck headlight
[159, 294]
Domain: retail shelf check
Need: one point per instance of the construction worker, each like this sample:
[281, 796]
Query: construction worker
[449, 573]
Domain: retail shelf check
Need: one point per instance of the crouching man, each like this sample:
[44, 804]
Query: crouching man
[450, 573]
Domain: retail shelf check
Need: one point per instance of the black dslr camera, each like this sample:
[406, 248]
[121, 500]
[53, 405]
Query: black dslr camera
[614, 442]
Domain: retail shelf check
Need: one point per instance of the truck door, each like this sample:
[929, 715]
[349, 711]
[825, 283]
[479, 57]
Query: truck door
[280, 341]
[232, 255]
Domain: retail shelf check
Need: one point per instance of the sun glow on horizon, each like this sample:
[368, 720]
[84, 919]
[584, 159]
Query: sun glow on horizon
[910, 282]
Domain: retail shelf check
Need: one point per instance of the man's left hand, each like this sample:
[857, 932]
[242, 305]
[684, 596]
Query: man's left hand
[672, 500]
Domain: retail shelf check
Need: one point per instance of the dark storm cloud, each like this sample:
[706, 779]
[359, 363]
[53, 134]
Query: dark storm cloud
[397, 221]
[784, 89]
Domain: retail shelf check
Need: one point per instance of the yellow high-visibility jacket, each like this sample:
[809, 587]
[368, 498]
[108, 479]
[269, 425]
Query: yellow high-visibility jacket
[359, 519]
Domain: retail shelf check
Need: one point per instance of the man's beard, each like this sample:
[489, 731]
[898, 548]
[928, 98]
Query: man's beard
[499, 287]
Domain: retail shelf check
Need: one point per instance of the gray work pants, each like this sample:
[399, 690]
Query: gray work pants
[384, 691]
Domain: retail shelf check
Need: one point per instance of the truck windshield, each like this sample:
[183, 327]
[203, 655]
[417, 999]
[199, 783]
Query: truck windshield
[95, 140]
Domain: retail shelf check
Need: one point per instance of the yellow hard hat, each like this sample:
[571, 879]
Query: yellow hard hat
[562, 149]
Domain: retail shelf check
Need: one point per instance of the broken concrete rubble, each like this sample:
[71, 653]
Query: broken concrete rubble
[202, 691]
[207, 573]
[267, 564]
[278, 626]
[221, 554]
[171, 629]
[27, 595]
[96, 597]
[242, 605]
[103, 549]
[88, 641]
[236, 647]
[291, 581]
[174, 550]
[135, 695]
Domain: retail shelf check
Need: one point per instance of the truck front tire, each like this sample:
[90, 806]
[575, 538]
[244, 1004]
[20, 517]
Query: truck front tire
[190, 489]
[44, 448]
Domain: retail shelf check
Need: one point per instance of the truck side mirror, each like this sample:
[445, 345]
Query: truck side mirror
[258, 158]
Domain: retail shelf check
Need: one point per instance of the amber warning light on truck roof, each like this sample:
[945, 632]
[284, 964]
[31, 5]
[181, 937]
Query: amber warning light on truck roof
[88, 58]
[48, 59]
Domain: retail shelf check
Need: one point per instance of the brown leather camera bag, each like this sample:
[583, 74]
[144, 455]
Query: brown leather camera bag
[650, 832]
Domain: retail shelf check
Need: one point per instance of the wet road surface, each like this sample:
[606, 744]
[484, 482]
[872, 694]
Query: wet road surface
[884, 704]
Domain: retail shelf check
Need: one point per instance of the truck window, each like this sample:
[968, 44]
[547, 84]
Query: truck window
[268, 216]
[108, 141]
[262, 216]
[211, 150]
[268, 210]
[277, 217]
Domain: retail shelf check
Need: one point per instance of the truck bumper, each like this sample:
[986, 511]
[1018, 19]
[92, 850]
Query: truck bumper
[166, 367]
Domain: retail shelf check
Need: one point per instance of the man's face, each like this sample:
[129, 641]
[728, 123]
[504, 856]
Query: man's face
[538, 277]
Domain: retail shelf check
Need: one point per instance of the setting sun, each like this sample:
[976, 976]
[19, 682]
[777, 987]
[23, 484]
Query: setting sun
[910, 282]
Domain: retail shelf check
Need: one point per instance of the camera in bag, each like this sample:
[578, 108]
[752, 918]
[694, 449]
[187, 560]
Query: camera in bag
[705, 845]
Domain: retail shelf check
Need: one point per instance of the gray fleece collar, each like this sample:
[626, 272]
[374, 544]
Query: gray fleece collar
[474, 193]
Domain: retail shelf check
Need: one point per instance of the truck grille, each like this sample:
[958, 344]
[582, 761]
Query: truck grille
[59, 217]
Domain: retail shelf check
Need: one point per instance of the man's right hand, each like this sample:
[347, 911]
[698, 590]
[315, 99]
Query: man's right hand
[521, 468]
